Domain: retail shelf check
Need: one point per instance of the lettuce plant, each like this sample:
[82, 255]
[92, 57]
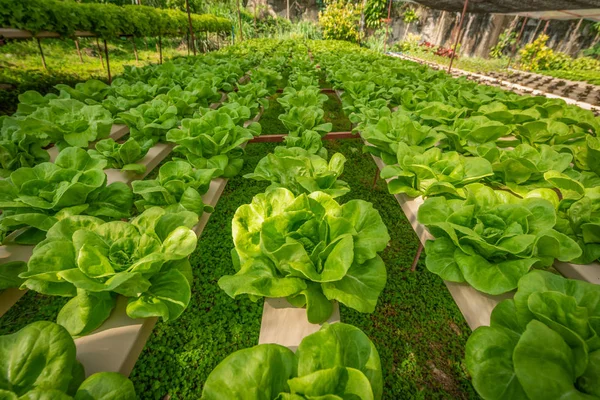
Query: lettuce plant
[39, 362]
[122, 155]
[239, 114]
[300, 171]
[92, 261]
[579, 210]
[337, 362]
[212, 141]
[491, 239]
[252, 95]
[150, 120]
[433, 172]
[36, 198]
[309, 249]
[467, 135]
[31, 100]
[205, 90]
[393, 128]
[310, 118]
[307, 140]
[92, 91]
[18, 149]
[68, 122]
[305, 97]
[178, 186]
[543, 344]
[124, 95]
[185, 101]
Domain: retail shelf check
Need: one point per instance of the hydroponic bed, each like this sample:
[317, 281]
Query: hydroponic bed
[111, 236]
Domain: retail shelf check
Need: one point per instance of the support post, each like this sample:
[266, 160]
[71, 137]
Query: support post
[546, 27]
[240, 21]
[387, 28]
[375, 178]
[100, 53]
[514, 49]
[78, 50]
[42, 53]
[413, 267]
[287, 9]
[537, 28]
[107, 61]
[135, 49]
[460, 24]
[187, 6]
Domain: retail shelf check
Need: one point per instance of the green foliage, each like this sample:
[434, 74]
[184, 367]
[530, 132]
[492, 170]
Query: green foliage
[338, 361]
[340, 20]
[213, 141]
[178, 186]
[375, 11]
[56, 373]
[92, 261]
[301, 171]
[542, 344]
[122, 155]
[537, 56]
[506, 40]
[311, 267]
[493, 238]
[105, 20]
[410, 15]
[38, 197]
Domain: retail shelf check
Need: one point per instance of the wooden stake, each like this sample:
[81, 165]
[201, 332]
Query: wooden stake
[537, 28]
[375, 178]
[187, 6]
[42, 54]
[135, 49]
[100, 53]
[387, 28]
[514, 49]
[107, 61]
[240, 20]
[287, 9]
[460, 24]
[413, 267]
[546, 26]
[78, 50]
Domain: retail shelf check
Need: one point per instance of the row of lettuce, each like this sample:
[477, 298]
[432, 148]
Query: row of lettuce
[86, 249]
[297, 241]
[104, 19]
[510, 185]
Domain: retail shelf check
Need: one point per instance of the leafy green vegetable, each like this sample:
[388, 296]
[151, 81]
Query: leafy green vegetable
[122, 155]
[307, 140]
[91, 260]
[433, 172]
[178, 185]
[68, 122]
[89, 92]
[541, 345]
[491, 239]
[299, 119]
[18, 149]
[300, 171]
[150, 121]
[310, 96]
[38, 197]
[309, 249]
[38, 362]
[212, 142]
[337, 362]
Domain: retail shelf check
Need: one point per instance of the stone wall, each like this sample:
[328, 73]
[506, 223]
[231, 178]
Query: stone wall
[481, 31]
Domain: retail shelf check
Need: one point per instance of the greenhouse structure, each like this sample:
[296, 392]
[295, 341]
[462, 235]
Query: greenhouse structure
[238, 214]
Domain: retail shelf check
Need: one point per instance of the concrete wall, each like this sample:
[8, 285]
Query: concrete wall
[481, 31]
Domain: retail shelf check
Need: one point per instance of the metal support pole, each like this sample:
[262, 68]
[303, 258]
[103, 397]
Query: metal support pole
[107, 61]
[240, 21]
[78, 50]
[514, 49]
[187, 6]
[42, 53]
[160, 48]
[413, 267]
[387, 28]
[135, 49]
[100, 53]
[546, 27]
[460, 24]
